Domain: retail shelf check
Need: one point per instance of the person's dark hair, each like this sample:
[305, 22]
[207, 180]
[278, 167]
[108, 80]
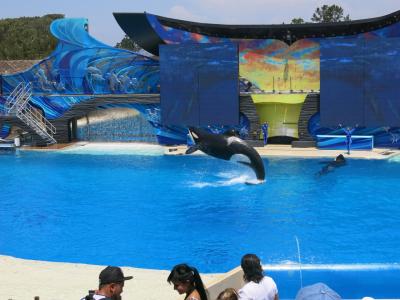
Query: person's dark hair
[252, 268]
[185, 273]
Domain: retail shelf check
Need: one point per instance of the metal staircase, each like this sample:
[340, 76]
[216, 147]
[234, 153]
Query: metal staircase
[17, 104]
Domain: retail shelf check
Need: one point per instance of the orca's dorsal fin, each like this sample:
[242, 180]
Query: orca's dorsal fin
[192, 149]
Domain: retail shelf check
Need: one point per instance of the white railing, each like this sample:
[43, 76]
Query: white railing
[18, 95]
[18, 104]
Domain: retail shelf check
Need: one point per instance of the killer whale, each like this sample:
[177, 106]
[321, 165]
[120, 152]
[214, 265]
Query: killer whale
[339, 161]
[224, 146]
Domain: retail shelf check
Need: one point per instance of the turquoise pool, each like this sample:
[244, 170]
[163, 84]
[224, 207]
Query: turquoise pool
[153, 211]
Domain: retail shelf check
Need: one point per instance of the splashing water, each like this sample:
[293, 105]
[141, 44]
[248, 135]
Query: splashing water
[115, 149]
[223, 179]
[299, 257]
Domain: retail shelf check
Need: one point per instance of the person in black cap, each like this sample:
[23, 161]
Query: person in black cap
[111, 284]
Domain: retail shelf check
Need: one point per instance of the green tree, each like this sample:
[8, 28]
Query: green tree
[329, 14]
[127, 43]
[297, 21]
[27, 37]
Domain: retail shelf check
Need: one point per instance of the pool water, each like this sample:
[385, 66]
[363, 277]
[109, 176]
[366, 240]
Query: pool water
[154, 211]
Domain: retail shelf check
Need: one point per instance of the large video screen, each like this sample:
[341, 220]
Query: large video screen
[382, 82]
[199, 84]
[360, 81]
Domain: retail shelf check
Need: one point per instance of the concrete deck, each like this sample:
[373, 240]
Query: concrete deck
[289, 151]
[268, 151]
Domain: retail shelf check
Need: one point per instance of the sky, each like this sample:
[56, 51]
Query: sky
[104, 27]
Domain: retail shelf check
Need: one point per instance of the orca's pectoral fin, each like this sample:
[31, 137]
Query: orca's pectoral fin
[191, 149]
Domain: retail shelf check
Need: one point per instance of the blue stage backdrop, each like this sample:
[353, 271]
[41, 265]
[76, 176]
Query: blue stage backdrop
[199, 84]
[359, 81]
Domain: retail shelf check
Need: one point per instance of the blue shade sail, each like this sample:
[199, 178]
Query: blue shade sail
[200, 84]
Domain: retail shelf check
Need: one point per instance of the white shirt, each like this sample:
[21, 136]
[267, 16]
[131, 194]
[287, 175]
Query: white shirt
[264, 290]
[98, 297]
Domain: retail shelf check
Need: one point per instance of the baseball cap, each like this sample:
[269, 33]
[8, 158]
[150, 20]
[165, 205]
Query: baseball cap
[112, 275]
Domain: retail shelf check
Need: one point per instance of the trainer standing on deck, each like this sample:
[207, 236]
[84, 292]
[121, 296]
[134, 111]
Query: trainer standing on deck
[111, 285]
[348, 131]
[264, 128]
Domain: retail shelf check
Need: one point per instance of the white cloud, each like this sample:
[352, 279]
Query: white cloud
[180, 12]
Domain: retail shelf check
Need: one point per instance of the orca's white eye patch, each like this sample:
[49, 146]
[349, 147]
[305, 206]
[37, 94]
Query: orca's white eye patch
[194, 135]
